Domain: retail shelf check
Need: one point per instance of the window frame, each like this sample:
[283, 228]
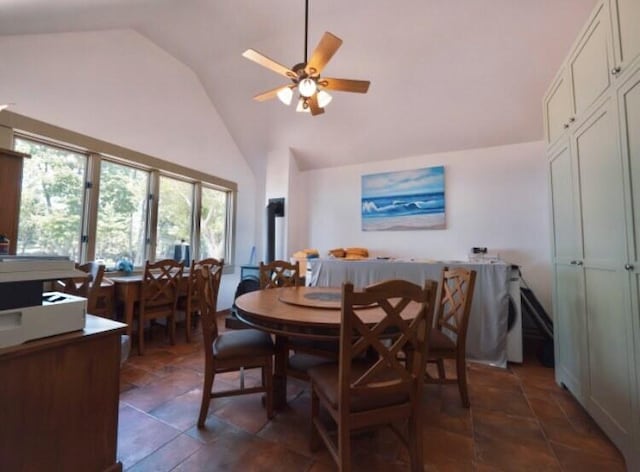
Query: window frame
[96, 151]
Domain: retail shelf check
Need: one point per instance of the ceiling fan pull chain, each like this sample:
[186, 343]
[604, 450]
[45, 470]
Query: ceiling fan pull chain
[306, 29]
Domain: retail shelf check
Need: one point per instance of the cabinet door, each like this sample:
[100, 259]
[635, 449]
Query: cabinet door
[629, 100]
[590, 63]
[557, 108]
[568, 297]
[626, 29]
[609, 332]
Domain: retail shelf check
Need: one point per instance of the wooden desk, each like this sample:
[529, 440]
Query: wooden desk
[306, 312]
[59, 400]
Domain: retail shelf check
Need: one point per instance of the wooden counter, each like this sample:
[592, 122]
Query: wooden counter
[59, 401]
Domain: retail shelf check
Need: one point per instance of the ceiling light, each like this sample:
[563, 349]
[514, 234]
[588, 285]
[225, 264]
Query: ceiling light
[285, 95]
[303, 106]
[307, 87]
[324, 98]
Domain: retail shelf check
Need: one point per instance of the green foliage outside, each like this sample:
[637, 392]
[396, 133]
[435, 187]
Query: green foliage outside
[52, 204]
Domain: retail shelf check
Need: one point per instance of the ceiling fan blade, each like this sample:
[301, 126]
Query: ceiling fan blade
[313, 105]
[324, 51]
[264, 61]
[269, 94]
[345, 85]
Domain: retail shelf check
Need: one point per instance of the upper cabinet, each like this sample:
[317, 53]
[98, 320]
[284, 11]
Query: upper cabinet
[590, 62]
[607, 44]
[625, 23]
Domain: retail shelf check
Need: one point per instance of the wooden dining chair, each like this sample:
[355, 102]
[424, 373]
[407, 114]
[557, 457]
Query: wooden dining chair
[306, 353]
[379, 388]
[158, 296]
[449, 337]
[190, 302]
[232, 350]
[99, 294]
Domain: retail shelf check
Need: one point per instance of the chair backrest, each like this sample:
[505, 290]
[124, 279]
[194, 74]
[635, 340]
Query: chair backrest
[279, 274]
[215, 267]
[454, 303]
[407, 321]
[86, 286]
[208, 278]
[160, 284]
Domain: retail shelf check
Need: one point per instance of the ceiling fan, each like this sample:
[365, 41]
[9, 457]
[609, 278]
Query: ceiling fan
[305, 76]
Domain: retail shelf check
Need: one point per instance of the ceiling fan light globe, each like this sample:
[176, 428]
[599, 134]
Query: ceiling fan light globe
[285, 95]
[302, 107]
[324, 98]
[307, 87]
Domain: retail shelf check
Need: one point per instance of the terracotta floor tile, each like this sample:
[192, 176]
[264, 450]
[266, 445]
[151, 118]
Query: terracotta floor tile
[519, 420]
[168, 456]
[161, 390]
[582, 460]
[509, 441]
[140, 435]
[509, 399]
[444, 449]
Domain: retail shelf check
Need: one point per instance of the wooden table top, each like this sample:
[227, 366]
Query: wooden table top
[312, 312]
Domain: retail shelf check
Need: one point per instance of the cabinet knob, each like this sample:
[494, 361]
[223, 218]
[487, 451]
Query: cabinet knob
[573, 262]
[572, 119]
[565, 126]
[579, 263]
[616, 70]
[628, 266]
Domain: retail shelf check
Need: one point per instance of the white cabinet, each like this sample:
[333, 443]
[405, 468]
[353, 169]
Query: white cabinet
[594, 173]
[625, 21]
[591, 61]
[558, 107]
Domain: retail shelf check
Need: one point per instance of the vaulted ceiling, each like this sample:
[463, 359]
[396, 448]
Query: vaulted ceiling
[445, 75]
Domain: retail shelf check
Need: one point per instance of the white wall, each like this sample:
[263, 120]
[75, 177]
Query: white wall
[495, 197]
[119, 87]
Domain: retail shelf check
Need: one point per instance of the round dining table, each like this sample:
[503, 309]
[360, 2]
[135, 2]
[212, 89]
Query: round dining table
[305, 312]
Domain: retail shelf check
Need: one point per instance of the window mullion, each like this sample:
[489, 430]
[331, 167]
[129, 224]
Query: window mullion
[152, 214]
[89, 218]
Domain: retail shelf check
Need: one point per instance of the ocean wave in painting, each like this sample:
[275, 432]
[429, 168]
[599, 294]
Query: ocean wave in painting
[406, 205]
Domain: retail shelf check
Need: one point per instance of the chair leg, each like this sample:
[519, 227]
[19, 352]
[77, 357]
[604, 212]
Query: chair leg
[268, 384]
[314, 438]
[206, 394]
[461, 371]
[171, 320]
[187, 322]
[441, 372]
[140, 335]
[344, 448]
[415, 443]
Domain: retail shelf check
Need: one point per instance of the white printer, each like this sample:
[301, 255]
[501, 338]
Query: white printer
[28, 312]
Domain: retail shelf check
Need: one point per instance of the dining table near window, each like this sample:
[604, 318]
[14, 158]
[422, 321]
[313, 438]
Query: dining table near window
[304, 312]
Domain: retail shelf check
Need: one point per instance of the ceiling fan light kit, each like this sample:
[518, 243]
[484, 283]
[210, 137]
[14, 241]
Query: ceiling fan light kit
[305, 76]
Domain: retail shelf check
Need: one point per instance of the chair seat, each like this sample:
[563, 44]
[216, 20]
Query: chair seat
[242, 343]
[440, 342]
[302, 362]
[325, 377]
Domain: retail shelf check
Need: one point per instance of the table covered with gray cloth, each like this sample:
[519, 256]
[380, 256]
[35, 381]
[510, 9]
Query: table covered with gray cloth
[487, 331]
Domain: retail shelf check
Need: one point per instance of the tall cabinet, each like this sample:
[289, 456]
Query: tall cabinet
[592, 123]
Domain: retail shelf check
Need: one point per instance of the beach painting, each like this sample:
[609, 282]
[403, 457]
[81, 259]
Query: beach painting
[404, 200]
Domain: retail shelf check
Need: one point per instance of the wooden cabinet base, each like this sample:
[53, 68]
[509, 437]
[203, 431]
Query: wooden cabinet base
[59, 401]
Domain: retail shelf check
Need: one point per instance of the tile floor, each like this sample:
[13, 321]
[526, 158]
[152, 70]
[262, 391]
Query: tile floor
[519, 420]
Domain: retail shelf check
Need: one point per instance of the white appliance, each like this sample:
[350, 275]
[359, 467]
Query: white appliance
[26, 312]
[59, 313]
[514, 333]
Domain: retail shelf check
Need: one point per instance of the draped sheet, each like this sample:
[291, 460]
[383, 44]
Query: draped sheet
[487, 331]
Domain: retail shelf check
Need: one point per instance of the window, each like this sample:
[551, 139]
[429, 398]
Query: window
[52, 200]
[213, 223]
[121, 229]
[175, 214]
[90, 200]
